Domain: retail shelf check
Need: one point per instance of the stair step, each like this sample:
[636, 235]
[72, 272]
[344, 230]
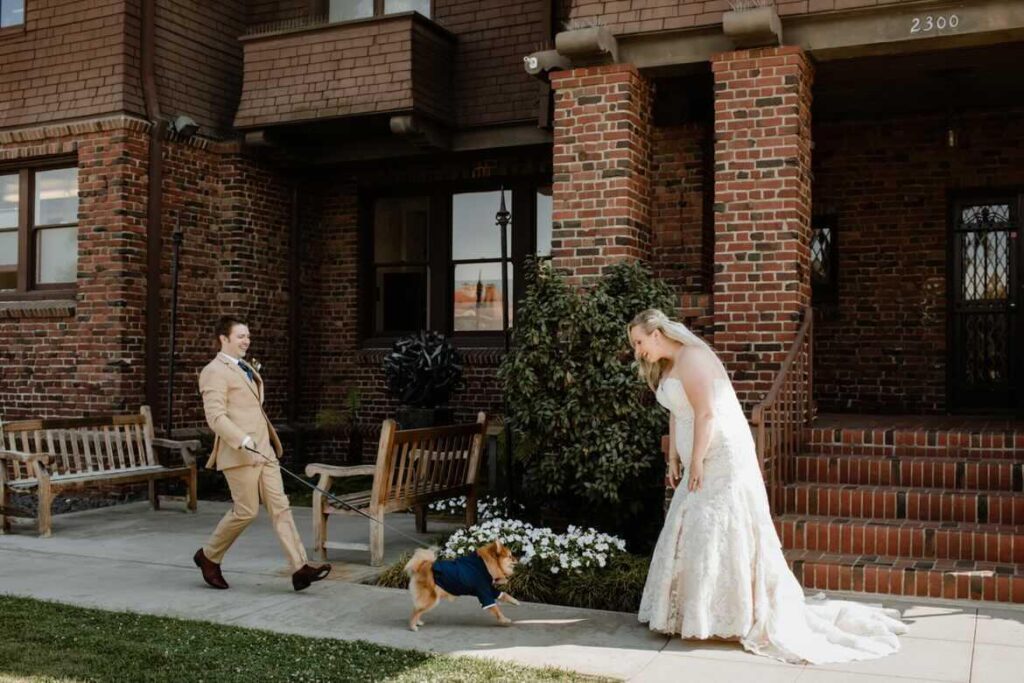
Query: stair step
[1005, 441]
[933, 472]
[895, 502]
[950, 579]
[927, 540]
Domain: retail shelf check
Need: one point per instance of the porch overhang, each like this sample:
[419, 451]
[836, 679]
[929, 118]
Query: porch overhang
[875, 31]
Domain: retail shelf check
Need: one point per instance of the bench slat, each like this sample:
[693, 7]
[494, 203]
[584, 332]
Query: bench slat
[108, 475]
[109, 448]
[119, 445]
[129, 445]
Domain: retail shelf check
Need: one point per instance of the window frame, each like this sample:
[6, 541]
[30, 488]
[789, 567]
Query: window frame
[521, 200]
[20, 28]
[27, 288]
[324, 7]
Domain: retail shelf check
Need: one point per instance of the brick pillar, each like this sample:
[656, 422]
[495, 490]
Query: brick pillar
[762, 210]
[602, 160]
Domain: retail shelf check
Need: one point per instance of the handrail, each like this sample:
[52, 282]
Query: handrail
[780, 418]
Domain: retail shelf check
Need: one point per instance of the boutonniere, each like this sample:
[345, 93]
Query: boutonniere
[255, 365]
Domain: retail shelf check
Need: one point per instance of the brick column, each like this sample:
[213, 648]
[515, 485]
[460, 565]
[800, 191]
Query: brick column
[602, 158]
[762, 210]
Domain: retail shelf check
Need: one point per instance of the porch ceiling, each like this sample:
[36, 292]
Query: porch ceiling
[931, 82]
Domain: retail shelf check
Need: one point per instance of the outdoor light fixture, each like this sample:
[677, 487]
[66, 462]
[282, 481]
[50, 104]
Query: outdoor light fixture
[185, 125]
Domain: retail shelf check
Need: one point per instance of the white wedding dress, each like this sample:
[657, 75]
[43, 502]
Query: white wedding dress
[718, 568]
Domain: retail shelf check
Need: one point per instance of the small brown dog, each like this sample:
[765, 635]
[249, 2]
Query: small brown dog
[431, 579]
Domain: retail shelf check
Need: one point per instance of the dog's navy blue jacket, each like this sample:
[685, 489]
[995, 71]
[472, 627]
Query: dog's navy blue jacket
[467, 576]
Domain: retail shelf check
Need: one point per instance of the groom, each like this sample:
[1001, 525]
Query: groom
[233, 401]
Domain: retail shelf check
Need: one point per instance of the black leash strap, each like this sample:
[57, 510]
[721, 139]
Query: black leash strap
[334, 498]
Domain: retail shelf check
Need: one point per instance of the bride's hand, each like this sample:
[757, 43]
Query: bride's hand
[696, 475]
[673, 472]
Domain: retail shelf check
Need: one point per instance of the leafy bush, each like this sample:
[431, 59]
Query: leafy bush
[587, 430]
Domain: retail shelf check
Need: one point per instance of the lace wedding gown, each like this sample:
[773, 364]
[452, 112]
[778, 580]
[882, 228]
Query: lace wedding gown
[718, 568]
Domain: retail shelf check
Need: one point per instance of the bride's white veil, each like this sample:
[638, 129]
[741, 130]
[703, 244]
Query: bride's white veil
[654, 319]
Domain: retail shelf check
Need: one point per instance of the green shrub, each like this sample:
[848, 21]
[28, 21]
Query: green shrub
[587, 430]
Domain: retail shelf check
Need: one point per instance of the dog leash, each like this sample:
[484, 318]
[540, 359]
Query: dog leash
[334, 498]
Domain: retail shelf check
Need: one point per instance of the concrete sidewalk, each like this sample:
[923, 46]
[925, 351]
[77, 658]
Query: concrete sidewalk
[131, 558]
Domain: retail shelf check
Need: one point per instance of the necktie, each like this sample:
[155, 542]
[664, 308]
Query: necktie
[247, 370]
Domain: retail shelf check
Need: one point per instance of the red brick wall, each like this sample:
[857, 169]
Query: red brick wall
[683, 237]
[602, 174]
[490, 83]
[335, 70]
[762, 210]
[641, 16]
[73, 60]
[235, 218]
[91, 361]
[199, 59]
[887, 182]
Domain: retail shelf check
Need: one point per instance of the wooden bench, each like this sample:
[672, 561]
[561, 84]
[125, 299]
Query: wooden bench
[414, 467]
[53, 454]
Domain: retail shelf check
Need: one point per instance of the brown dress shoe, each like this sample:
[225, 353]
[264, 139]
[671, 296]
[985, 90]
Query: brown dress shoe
[210, 569]
[307, 575]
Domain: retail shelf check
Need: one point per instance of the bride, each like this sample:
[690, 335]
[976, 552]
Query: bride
[718, 568]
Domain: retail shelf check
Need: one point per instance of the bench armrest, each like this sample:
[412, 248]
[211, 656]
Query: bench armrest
[26, 458]
[186, 448]
[333, 471]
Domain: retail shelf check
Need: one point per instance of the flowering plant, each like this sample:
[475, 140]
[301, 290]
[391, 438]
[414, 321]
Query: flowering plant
[575, 550]
[488, 507]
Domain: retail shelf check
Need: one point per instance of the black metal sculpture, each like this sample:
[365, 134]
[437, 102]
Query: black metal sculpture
[423, 370]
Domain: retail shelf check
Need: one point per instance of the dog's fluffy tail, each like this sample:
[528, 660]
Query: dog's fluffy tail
[422, 558]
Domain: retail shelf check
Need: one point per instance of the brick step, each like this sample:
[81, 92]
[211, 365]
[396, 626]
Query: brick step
[950, 579]
[913, 539]
[895, 502]
[1006, 442]
[1000, 475]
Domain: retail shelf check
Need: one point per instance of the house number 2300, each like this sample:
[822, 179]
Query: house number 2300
[930, 23]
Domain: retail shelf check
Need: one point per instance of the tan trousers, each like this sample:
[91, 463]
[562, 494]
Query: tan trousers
[248, 486]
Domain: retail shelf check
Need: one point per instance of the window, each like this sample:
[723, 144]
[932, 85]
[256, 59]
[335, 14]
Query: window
[347, 10]
[478, 302]
[12, 13]
[436, 259]
[824, 261]
[38, 229]
[400, 263]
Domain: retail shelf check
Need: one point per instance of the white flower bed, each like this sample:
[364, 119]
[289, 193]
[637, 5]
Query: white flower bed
[574, 550]
[488, 507]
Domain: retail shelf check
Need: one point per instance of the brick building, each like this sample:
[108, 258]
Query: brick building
[334, 168]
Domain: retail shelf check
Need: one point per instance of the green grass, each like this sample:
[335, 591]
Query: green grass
[43, 641]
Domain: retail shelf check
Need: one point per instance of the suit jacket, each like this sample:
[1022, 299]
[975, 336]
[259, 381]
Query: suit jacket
[234, 410]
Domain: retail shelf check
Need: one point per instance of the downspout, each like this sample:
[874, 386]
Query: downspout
[154, 204]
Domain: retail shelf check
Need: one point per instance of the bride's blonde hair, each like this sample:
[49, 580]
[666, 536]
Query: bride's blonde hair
[653, 319]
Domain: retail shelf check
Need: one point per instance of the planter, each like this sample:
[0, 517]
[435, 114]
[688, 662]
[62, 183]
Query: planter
[419, 418]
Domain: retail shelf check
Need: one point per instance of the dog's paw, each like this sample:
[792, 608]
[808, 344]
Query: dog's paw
[419, 623]
[509, 599]
[414, 627]
[504, 621]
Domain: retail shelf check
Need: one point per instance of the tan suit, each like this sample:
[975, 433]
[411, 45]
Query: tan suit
[234, 410]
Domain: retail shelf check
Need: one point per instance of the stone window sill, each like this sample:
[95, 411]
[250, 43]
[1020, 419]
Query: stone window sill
[43, 308]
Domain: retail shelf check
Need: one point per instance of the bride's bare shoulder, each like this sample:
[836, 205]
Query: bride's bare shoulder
[693, 363]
